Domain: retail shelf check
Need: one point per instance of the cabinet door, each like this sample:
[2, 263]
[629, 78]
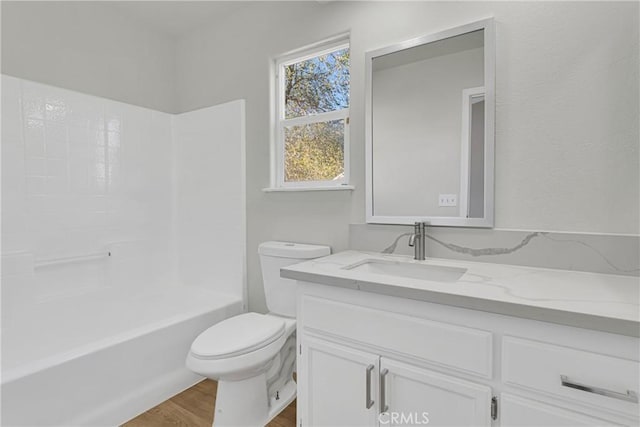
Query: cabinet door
[333, 387]
[518, 411]
[415, 396]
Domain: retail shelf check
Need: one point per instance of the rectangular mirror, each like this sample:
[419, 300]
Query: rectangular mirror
[430, 129]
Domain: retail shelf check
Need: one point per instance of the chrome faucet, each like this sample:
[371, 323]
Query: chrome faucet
[418, 234]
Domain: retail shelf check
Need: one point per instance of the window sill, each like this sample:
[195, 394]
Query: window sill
[292, 189]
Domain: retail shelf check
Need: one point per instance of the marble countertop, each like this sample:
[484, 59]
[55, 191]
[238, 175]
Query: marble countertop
[603, 302]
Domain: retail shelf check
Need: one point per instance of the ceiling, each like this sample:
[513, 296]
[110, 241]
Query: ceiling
[176, 17]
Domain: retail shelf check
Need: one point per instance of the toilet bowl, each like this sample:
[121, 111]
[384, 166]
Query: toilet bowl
[252, 355]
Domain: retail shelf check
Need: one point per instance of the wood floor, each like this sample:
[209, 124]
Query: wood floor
[194, 408]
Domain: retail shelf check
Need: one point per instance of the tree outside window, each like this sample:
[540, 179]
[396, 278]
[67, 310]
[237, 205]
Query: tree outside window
[313, 117]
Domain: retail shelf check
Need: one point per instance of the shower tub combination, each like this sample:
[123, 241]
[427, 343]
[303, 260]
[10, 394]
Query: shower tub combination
[116, 252]
[103, 357]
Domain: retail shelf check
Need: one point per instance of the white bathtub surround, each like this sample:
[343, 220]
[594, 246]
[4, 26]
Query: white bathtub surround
[585, 300]
[80, 174]
[592, 252]
[17, 276]
[209, 216]
[112, 257]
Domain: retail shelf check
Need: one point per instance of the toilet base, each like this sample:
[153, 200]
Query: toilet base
[245, 402]
[241, 403]
[286, 395]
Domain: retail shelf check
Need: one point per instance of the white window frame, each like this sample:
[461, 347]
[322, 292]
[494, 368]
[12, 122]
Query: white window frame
[277, 176]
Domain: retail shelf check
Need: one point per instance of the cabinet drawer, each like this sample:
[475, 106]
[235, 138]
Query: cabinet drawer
[455, 347]
[581, 376]
[521, 412]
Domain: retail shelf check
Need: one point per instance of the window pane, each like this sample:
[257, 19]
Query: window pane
[317, 85]
[314, 152]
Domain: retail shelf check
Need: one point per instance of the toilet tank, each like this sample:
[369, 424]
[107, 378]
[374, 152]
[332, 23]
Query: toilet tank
[279, 292]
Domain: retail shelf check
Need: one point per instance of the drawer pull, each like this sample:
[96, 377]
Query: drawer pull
[629, 396]
[368, 401]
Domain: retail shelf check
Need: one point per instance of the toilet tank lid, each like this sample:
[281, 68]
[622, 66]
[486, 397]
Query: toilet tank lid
[293, 250]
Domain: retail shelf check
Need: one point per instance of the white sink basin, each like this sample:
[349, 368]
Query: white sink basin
[435, 273]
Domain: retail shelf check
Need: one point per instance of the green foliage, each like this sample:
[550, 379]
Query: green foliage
[314, 152]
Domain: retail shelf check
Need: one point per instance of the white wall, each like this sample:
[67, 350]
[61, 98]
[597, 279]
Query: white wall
[209, 197]
[87, 46]
[417, 132]
[566, 117]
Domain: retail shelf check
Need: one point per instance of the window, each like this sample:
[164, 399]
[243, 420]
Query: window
[312, 117]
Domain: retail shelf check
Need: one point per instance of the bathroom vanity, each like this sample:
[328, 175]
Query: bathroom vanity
[386, 340]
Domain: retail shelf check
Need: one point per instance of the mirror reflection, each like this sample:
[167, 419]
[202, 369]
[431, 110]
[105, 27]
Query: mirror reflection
[428, 129]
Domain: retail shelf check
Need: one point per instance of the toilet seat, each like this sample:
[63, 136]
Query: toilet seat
[239, 347]
[237, 336]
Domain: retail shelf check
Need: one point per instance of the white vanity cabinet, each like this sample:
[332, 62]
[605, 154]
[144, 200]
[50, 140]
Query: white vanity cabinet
[338, 380]
[362, 354]
[348, 387]
[425, 397]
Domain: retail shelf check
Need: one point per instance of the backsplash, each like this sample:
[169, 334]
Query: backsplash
[598, 253]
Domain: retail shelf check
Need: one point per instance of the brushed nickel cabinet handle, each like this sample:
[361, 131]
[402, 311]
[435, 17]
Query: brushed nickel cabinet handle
[383, 391]
[629, 396]
[368, 401]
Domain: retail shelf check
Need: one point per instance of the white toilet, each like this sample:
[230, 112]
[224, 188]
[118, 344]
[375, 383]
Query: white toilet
[252, 355]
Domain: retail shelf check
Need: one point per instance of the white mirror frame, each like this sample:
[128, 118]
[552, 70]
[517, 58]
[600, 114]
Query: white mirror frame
[489, 129]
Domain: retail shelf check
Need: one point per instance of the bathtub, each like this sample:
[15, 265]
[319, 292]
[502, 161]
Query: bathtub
[103, 357]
